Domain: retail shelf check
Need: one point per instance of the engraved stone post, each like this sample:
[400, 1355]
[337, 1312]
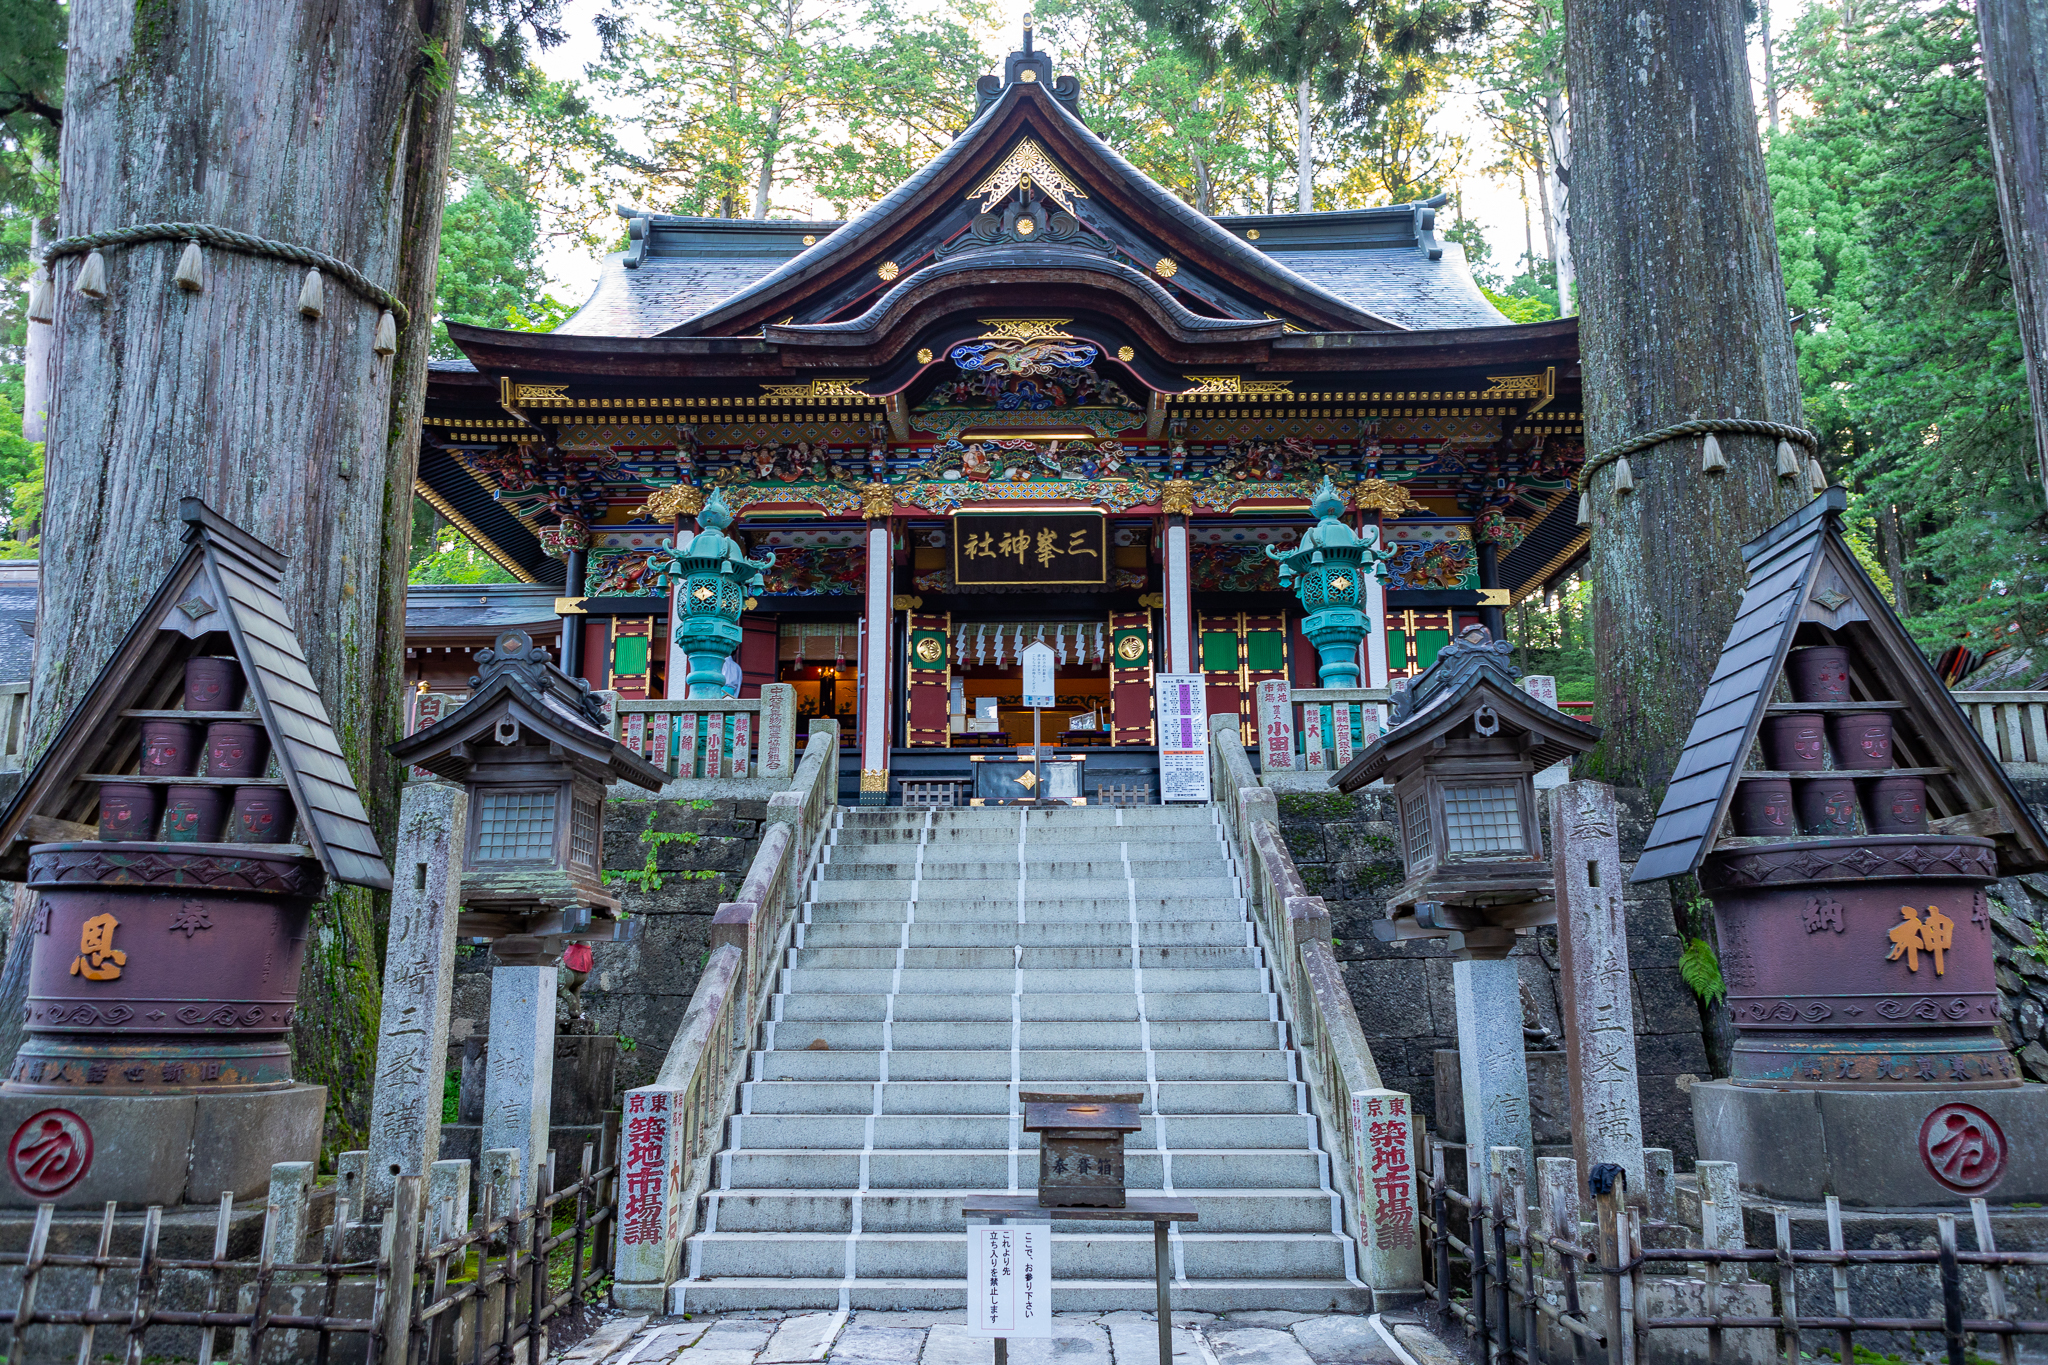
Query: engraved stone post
[1599, 1002]
[351, 1174]
[1557, 1203]
[520, 1068]
[1717, 1186]
[1491, 1064]
[289, 1208]
[447, 1198]
[419, 976]
[778, 732]
[1660, 1183]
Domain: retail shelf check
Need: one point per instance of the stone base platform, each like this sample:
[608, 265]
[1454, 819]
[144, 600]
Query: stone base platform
[1906, 1149]
[166, 1149]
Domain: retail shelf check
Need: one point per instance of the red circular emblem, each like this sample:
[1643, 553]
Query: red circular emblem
[1963, 1148]
[50, 1153]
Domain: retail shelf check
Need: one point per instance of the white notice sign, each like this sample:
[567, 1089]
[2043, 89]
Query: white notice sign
[1009, 1280]
[1038, 675]
[1183, 714]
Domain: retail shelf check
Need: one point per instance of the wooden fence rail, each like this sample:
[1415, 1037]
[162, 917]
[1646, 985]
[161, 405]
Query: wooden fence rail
[1527, 1290]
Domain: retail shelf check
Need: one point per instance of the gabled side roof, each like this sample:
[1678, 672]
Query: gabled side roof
[228, 583]
[1445, 697]
[1803, 577]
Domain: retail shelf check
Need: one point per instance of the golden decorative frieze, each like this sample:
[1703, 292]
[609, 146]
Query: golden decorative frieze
[874, 779]
[1377, 495]
[1025, 166]
[1514, 386]
[1177, 498]
[816, 389]
[540, 393]
[1023, 329]
[1230, 385]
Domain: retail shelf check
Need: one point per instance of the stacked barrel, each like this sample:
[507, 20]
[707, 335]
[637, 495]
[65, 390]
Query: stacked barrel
[1800, 793]
[234, 748]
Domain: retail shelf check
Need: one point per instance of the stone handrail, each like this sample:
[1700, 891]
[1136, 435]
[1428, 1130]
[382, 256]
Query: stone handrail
[1370, 1129]
[672, 1126]
[2014, 725]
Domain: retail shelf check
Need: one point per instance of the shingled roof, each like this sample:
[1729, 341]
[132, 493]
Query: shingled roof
[1381, 268]
[227, 587]
[1805, 585]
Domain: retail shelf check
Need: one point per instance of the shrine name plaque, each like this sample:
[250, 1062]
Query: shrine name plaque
[1029, 549]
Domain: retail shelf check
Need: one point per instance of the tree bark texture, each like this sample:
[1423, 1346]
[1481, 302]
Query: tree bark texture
[301, 121]
[1683, 316]
[2014, 36]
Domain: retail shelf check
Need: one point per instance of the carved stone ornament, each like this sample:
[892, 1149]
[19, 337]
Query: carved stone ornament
[1177, 498]
[675, 502]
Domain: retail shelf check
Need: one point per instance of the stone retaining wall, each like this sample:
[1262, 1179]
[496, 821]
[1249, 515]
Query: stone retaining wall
[671, 862]
[1344, 846]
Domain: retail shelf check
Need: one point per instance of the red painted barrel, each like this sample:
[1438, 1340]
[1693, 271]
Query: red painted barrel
[156, 971]
[1858, 963]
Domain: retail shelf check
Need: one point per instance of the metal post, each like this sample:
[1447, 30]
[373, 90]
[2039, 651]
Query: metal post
[1159, 1227]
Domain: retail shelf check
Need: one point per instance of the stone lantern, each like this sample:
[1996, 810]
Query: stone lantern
[1462, 754]
[1328, 574]
[715, 577]
[531, 747]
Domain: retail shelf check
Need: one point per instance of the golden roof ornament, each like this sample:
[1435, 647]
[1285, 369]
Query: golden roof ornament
[1377, 495]
[674, 502]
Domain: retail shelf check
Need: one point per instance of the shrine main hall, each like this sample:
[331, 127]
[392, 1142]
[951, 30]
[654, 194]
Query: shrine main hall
[1030, 396]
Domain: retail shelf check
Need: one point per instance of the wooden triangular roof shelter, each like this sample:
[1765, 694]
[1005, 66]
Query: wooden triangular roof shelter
[225, 594]
[1806, 587]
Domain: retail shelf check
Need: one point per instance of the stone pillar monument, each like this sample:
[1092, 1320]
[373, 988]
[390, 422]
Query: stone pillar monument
[1491, 1063]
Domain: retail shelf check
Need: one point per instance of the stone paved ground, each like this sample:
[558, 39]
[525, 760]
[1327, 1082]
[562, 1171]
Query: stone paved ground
[1120, 1338]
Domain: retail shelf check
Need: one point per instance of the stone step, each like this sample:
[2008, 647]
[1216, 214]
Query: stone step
[901, 1096]
[1142, 845]
[994, 1038]
[1095, 1254]
[741, 1294]
[995, 817]
[1305, 1210]
[1003, 981]
[927, 933]
[934, 1169]
[1040, 910]
[1213, 1006]
[1068, 869]
[852, 1132]
[985, 889]
[1047, 1071]
[1108, 956]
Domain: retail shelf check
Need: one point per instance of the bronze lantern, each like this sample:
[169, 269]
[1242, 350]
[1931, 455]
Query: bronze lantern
[1081, 1147]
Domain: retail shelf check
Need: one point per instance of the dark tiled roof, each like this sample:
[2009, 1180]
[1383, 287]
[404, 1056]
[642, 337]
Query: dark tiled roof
[1400, 284]
[482, 606]
[661, 292]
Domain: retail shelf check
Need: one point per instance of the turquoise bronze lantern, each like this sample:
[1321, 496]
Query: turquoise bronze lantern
[1328, 574]
[715, 577]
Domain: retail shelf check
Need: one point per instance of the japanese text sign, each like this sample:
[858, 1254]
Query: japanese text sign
[1006, 549]
[1009, 1280]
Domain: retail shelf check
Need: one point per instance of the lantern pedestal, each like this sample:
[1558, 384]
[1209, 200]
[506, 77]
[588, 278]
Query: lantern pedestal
[154, 1149]
[1867, 1062]
[1925, 1148]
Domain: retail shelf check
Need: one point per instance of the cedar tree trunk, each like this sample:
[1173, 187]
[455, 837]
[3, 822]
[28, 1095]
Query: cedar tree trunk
[1682, 315]
[2014, 36]
[322, 123]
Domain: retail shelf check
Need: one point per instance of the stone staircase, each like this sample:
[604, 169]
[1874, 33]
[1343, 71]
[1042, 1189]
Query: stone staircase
[943, 961]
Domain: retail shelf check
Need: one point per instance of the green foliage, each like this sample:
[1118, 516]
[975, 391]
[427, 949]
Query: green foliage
[1909, 356]
[440, 553]
[1316, 805]
[1554, 635]
[1701, 971]
[2038, 949]
[21, 486]
[451, 1096]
